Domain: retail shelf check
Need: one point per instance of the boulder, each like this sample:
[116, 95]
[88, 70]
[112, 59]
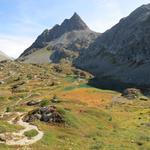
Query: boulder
[2, 138]
[1, 82]
[131, 93]
[55, 100]
[32, 103]
[48, 114]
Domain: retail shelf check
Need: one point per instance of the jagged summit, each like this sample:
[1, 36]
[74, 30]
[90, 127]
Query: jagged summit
[75, 23]
[75, 15]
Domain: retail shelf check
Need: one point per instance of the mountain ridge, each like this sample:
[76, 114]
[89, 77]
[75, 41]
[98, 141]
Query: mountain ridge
[74, 23]
[65, 36]
[122, 52]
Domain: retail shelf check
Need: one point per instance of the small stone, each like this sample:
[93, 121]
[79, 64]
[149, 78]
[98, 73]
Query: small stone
[1, 82]
[2, 138]
[144, 98]
[32, 103]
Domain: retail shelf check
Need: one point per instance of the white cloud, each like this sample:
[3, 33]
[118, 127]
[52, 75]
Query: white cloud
[14, 46]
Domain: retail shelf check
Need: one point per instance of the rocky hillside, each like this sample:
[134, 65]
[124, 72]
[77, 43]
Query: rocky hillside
[61, 42]
[3, 56]
[123, 52]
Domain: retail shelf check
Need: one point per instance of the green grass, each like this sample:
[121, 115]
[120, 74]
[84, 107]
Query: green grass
[69, 88]
[48, 138]
[2, 98]
[31, 133]
[8, 109]
[6, 127]
[69, 117]
[71, 78]
[84, 85]
[120, 126]
[44, 103]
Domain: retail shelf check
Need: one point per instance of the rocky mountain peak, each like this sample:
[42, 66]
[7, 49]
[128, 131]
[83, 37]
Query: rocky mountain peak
[74, 23]
[77, 20]
[75, 15]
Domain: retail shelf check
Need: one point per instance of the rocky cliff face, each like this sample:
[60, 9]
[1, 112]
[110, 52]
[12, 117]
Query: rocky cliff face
[3, 56]
[71, 36]
[123, 52]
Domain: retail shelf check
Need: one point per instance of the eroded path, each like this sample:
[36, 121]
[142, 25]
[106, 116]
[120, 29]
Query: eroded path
[18, 138]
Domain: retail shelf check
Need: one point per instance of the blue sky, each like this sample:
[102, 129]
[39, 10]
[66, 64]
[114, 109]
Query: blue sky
[21, 21]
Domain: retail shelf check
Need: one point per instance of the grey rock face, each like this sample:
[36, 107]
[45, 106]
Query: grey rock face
[73, 35]
[123, 52]
[59, 55]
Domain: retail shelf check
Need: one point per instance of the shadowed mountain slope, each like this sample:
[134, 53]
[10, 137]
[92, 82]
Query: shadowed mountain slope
[123, 52]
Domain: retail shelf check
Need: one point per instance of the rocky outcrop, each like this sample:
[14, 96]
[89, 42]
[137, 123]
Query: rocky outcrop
[131, 93]
[72, 36]
[123, 52]
[47, 114]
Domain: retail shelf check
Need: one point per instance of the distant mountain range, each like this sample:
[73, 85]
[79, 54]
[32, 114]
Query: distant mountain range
[62, 42]
[122, 53]
[3, 56]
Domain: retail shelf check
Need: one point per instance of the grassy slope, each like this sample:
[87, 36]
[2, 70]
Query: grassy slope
[40, 56]
[93, 122]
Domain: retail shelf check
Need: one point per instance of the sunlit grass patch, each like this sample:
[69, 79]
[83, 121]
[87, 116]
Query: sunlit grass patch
[31, 133]
[6, 127]
[2, 98]
[48, 138]
[71, 78]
